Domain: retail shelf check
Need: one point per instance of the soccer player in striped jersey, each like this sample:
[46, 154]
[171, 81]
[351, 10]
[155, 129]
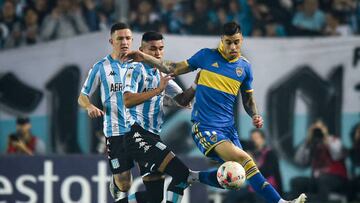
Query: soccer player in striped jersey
[144, 99]
[108, 73]
[225, 74]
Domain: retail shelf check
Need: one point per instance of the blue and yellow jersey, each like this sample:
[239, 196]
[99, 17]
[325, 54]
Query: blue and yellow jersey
[218, 87]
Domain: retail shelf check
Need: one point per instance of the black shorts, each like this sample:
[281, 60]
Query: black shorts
[138, 145]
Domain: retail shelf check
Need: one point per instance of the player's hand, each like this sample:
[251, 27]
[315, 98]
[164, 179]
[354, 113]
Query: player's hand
[94, 112]
[164, 81]
[137, 55]
[257, 121]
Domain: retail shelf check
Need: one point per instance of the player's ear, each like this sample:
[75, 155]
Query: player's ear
[140, 48]
[110, 41]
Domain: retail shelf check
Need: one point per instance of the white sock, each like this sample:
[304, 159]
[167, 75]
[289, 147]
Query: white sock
[282, 201]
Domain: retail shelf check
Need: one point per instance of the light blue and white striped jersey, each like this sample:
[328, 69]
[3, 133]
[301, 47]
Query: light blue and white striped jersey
[109, 74]
[142, 78]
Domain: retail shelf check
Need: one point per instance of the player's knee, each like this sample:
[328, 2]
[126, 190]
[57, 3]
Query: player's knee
[240, 156]
[123, 181]
[124, 186]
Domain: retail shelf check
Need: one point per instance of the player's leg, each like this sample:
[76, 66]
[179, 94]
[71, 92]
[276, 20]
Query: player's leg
[120, 164]
[206, 139]
[154, 185]
[152, 154]
[229, 152]
[179, 172]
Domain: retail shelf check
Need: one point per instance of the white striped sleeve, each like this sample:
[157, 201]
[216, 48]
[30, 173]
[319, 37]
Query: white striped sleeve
[92, 81]
[172, 89]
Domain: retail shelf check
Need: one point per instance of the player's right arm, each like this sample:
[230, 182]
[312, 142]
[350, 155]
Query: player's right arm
[92, 110]
[90, 84]
[176, 68]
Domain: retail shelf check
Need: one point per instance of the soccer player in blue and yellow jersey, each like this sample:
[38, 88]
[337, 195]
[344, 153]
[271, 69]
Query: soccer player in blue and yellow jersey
[224, 74]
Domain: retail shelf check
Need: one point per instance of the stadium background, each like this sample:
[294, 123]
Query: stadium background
[297, 79]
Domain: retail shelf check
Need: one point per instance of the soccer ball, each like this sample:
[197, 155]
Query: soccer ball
[231, 175]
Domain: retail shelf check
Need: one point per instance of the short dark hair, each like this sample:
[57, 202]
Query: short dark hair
[151, 35]
[231, 28]
[118, 26]
[22, 120]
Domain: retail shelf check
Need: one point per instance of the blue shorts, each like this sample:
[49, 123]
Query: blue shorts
[207, 138]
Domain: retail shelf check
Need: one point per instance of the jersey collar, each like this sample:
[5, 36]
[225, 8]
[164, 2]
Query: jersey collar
[113, 60]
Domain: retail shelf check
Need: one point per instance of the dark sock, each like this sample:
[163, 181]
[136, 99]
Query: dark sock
[179, 173]
[155, 190]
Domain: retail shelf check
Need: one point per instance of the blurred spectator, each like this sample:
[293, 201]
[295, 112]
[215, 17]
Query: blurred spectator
[258, 18]
[23, 141]
[346, 13]
[309, 17]
[325, 154]
[239, 11]
[13, 25]
[274, 29]
[144, 18]
[266, 159]
[354, 194]
[91, 17]
[112, 11]
[202, 19]
[66, 20]
[334, 28]
[42, 8]
[31, 30]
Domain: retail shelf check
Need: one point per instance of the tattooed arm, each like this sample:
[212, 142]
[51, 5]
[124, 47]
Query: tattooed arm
[163, 65]
[251, 109]
[249, 103]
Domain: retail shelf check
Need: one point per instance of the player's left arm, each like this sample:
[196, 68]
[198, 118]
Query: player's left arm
[251, 108]
[185, 98]
[248, 98]
[175, 68]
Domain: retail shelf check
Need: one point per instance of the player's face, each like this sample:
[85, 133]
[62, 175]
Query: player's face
[232, 45]
[121, 41]
[154, 48]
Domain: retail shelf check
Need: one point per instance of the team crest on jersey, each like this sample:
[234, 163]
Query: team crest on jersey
[213, 138]
[239, 71]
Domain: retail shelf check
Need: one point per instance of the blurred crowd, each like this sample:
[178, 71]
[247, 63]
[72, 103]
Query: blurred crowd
[25, 22]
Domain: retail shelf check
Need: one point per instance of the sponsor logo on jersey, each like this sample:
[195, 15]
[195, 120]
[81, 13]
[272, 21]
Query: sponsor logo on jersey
[112, 73]
[116, 87]
[216, 65]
